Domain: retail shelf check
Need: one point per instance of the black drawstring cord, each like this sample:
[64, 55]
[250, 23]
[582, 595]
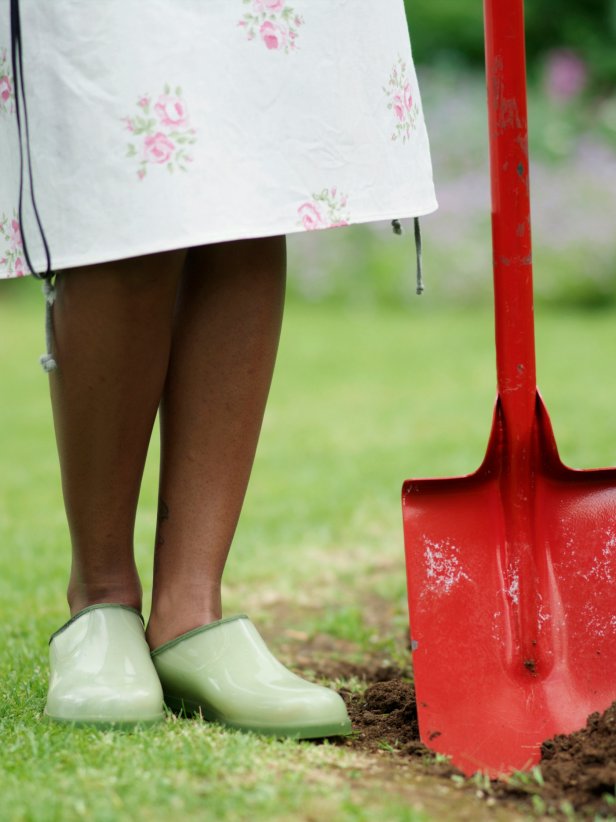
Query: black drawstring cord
[47, 360]
[18, 75]
[397, 228]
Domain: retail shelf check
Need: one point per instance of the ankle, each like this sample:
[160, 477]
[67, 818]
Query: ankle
[80, 596]
[167, 622]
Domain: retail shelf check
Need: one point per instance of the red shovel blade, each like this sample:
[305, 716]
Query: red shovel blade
[512, 643]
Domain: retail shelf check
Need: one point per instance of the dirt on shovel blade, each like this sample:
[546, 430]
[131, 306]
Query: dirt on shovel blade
[578, 770]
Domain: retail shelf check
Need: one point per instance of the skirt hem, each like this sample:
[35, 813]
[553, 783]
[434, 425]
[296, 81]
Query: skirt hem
[79, 260]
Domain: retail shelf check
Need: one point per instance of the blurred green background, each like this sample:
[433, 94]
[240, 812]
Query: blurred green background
[451, 31]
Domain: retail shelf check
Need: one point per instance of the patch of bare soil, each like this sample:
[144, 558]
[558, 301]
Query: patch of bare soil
[579, 768]
[578, 771]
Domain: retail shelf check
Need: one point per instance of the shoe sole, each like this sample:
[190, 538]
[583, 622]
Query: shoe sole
[190, 708]
[101, 723]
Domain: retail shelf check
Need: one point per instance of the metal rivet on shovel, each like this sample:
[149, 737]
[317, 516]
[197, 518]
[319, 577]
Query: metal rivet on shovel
[512, 569]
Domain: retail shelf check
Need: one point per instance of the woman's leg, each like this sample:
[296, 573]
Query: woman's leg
[112, 325]
[224, 345]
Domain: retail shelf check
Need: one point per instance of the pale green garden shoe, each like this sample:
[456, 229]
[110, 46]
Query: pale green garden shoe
[225, 671]
[101, 672]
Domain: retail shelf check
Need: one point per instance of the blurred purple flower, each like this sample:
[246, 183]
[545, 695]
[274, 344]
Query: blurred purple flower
[566, 74]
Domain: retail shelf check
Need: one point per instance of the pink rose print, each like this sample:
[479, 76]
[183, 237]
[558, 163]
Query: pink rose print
[10, 240]
[401, 103]
[327, 209]
[7, 95]
[157, 148]
[5, 88]
[15, 234]
[311, 217]
[161, 131]
[408, 97]
[398, 107]
[274, 22]
[273, 35]
[170, 110]
[268, 5]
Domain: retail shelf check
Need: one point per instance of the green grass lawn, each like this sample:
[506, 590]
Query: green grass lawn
[362, 399]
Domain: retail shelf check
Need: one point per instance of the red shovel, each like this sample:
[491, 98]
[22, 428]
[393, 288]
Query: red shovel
[511, 570]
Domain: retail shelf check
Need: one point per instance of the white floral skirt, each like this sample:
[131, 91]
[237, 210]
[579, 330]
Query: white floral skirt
[173, 123]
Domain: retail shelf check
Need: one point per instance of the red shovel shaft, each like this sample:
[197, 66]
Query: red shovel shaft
[513, 295]
[511, 234]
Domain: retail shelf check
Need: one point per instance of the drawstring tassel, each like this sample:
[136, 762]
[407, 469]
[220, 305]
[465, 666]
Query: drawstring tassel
[397, 229]
[420, 285]
[47, 360]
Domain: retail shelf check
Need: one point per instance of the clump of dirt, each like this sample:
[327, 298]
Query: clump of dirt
[384, 717]
[577, 769]
[581, 767]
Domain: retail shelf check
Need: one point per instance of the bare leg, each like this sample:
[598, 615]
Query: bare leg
[112, 340]
[224, 345]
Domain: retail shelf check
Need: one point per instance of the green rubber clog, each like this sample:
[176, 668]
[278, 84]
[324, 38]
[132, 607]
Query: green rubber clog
[101, 672]
[225, 671]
